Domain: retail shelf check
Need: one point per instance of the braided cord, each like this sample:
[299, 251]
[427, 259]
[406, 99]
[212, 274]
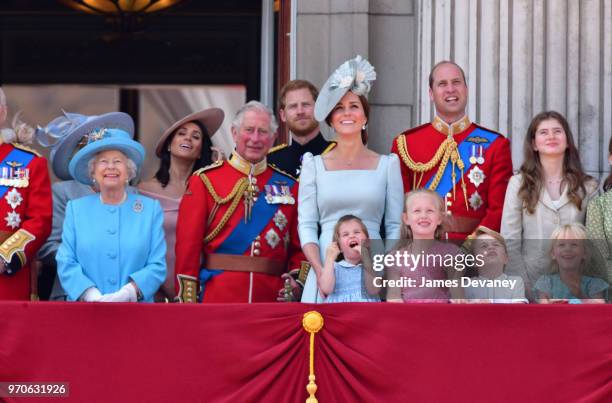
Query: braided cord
[448, 150]
[215, 195]
[235, 195]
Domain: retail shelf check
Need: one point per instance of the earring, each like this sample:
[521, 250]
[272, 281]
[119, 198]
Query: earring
[363, 127]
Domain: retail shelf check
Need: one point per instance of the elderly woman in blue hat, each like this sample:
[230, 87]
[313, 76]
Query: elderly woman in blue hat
[351, 178]
[65, 135]
[113, 247]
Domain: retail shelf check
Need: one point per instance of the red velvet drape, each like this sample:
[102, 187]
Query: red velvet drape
[259, 353]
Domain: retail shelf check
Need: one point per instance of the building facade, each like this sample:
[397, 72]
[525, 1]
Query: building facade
[520, 57]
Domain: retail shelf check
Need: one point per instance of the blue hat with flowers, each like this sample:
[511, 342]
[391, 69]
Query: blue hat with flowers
[103, 140]
[65, 133]
[355, 75]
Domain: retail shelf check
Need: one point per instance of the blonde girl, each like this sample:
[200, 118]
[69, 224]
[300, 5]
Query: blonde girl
[422, 231]
[568, 280]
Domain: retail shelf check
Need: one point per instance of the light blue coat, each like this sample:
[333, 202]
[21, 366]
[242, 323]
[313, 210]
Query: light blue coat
[106, 246]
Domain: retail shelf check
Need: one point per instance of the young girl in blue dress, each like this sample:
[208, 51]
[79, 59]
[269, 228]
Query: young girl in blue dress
[568, 281]
[346, 280]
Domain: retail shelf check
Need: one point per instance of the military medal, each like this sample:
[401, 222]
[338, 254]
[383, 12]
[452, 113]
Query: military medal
[473, 157]
[475, 201]
[278, 197]
[13, 198]
[13, 182]
[26, 181]
[4, 177]
[280, 220]
[9, 177]
[287, 195]
[480, 159]
[476, 176]
[272, 238]
[269, 194]
[14, 177]
[24, 177]
[13, 219]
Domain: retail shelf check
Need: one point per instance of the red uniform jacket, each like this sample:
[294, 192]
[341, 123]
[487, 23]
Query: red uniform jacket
[485, 190]
[272, 237]
[26, 208]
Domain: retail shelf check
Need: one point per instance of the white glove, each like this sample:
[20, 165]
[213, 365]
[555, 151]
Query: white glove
[127, 293]
[92, 294]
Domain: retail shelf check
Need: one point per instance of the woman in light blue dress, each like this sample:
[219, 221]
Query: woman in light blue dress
[350, 179]
[113, 247]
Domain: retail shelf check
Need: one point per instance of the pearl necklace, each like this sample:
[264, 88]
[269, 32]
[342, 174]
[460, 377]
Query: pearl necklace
[124, 198]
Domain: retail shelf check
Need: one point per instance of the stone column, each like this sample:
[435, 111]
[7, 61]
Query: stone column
[384, 31]
[522, 57]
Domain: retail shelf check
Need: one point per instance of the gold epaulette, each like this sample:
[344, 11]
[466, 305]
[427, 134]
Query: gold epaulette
[329, 147]
[277, 169]
[214, 165]
[278, 147]
[26, 148]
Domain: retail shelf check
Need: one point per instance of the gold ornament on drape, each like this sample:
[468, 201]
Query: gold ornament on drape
[312, 323]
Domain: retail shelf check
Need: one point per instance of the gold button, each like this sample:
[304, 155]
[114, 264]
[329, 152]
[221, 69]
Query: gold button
[257, 244]
[256, 252]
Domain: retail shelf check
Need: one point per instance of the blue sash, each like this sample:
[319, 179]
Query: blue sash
[19, 156]
[244, 233]
[465, 152]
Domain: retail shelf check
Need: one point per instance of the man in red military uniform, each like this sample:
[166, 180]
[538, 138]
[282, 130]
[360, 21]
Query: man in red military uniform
[468, 165]
[25, 208]
[237, 224]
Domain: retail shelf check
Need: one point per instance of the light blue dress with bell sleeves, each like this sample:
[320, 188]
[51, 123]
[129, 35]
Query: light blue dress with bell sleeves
[106, 246]
[325, 196]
